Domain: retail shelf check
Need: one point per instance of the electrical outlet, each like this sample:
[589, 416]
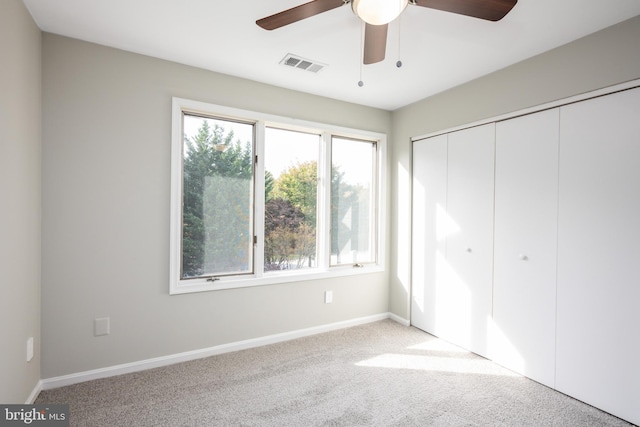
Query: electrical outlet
[101, 326]
[29, 349]
[328, 297]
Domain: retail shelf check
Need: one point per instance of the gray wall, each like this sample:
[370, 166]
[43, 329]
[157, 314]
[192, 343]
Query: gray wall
[106, 148]
[593, 62]
[20, 208]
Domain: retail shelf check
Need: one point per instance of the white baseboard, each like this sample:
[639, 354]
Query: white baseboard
[65, 380]
[34, 393]
[399, 319]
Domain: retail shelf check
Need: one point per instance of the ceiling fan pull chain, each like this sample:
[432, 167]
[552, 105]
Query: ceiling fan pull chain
[360, 82]
[399, 63]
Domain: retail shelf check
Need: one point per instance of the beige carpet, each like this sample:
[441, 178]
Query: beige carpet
[379, 374]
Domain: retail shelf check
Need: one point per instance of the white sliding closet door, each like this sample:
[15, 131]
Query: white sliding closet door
[463, 306]
[598, 349]
[526, 209]
[429, 190]
[453, 236]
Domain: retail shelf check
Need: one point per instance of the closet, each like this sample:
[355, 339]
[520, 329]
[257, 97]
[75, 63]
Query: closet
[525, 236]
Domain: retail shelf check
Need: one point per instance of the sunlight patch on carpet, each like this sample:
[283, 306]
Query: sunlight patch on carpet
[438, 364]
[438, 345]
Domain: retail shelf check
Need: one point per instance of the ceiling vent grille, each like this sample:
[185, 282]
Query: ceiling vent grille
[295, 61]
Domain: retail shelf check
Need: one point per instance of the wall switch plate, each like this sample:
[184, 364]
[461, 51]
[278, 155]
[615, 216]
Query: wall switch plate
[29, 349]
[101, 326]
[328, 297]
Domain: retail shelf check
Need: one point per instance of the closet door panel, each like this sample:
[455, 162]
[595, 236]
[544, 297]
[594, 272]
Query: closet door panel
[598, 338]
[429, 195]
[464, 300]
[526, 209]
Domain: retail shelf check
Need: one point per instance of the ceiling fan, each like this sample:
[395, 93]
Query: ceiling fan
[377, 14]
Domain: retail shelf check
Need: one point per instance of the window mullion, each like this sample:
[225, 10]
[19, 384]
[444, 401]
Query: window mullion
[259, 171]
[381, 193]
[324, 202]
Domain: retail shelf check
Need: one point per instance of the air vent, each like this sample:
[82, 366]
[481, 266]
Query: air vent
[295, 61]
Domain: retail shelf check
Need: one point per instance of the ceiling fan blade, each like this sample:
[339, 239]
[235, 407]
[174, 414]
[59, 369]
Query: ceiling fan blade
[298, 13]
[491, 10]
[375, 43]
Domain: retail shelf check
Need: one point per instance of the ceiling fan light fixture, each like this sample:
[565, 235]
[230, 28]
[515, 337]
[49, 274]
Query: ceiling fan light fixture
[378, 12]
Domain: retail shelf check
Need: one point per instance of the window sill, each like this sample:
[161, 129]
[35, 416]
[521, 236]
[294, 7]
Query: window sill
[273, 278]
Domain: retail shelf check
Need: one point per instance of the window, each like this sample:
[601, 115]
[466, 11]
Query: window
[217, 197]
[258, 199]
[291, 205]
[353, 166]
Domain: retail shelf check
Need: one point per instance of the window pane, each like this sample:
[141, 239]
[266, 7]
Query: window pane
[352, 201]
[217, 211]
[291, 188]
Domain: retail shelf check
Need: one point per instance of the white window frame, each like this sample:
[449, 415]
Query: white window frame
[259, 277]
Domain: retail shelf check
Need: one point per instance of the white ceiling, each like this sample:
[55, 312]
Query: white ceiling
[439, 50]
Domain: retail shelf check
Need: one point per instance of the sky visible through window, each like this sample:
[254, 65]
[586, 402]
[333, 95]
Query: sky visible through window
[286, 149]
[353, 158]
